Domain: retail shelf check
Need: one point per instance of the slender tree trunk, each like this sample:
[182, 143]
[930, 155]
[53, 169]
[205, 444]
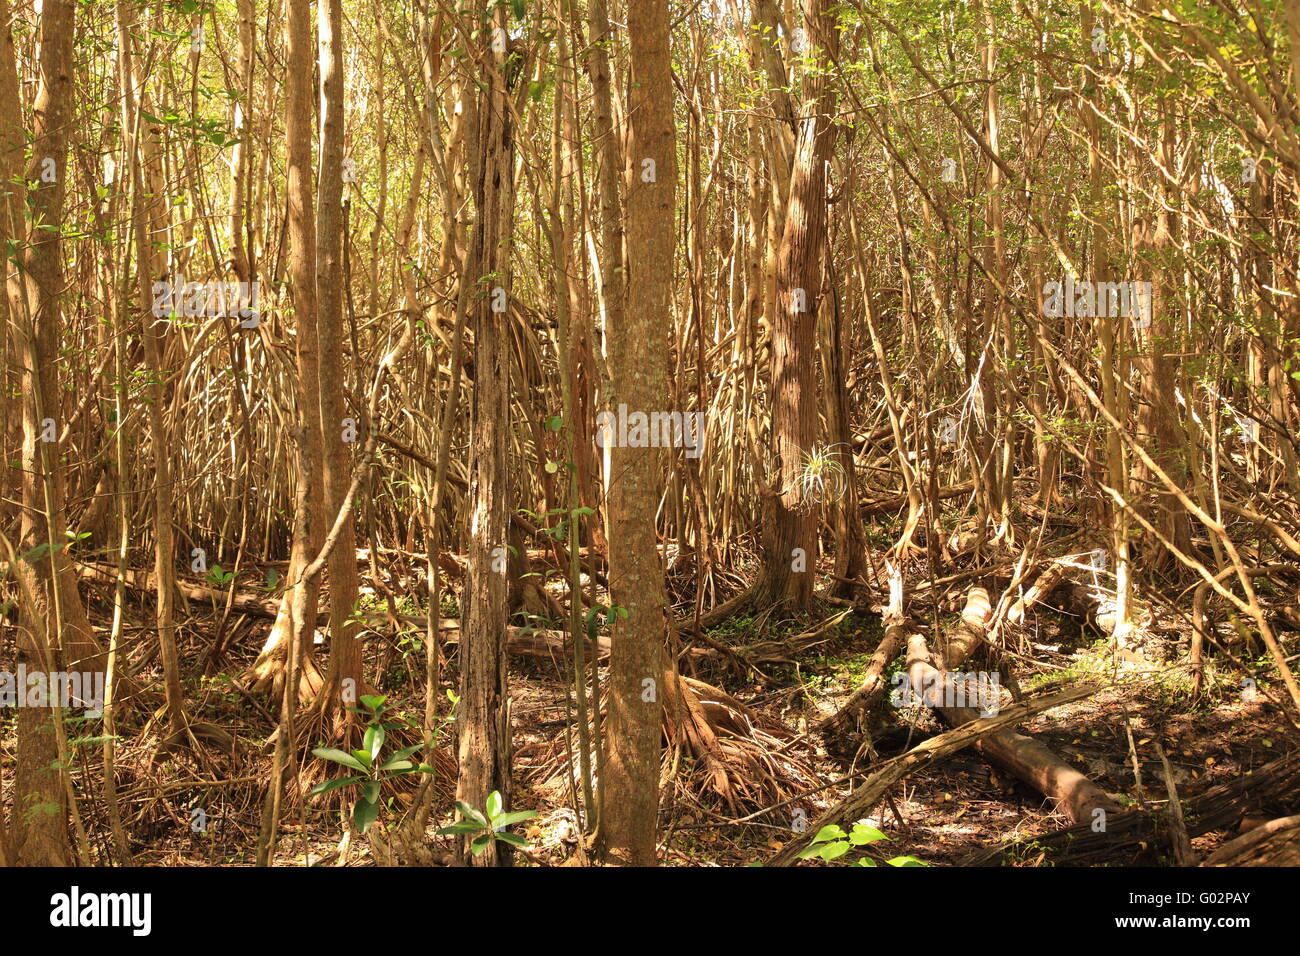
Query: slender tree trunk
[484, 719]
[630, 792]
[53, 633]
[271, 665]
[345, 653]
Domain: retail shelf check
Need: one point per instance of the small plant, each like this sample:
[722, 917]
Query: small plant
[488, 826]
[218, 578]
[821, 475]
[831, 843]
[372, 773]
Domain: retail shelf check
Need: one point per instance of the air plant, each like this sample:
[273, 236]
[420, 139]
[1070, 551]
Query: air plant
[821, 475]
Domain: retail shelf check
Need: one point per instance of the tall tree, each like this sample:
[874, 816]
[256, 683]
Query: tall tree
[55, 633]
[630, 791]
[792, 543]
[345, 653]
[273, 661]
[484, 719]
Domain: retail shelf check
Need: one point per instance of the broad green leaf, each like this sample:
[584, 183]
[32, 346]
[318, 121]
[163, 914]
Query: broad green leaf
[833, 851]
[329, 785]
[374, 741]
[462, 827]
[470, 813]
[364, 814]
[505, 819]
[831, 832]
[863, 834]
[338, 756]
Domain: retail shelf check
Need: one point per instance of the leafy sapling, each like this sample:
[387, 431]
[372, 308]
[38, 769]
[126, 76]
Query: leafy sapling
[372, 772]
[487, 826]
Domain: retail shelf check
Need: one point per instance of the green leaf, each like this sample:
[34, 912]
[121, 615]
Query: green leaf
[515, 816]
[906, 861]
[338, 756]
[470, 813]
[833, 851]
[329, 785]
[481, 844]
[494, 806]
[831, 832]
[865, 861]
[363, 757]
[863, 834]
[364, 814]
[455, 828]
[370, 791]
[374, 741]
[402, 754]
[511, 839]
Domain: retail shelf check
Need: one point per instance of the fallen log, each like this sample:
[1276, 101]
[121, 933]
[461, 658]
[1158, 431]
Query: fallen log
[1025, 758]
[886, 505]
[1130, 835]
[1276, 843]
[843, 726]
[838, 729]
[878, 783]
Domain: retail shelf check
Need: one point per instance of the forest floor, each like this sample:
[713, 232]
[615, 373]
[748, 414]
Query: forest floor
[940, 815]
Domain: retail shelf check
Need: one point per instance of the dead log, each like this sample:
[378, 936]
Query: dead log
[1092, 604]
[1276, 843]
[886, 505]
[842, 727]
[1131, 835]
[1025, 758]
[523, 641]
[885, 775]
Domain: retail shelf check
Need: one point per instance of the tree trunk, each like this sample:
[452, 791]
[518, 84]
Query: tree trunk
[484, 718]
[792, 544]
[630, 790]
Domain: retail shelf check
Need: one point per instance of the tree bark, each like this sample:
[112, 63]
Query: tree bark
[630, 792]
